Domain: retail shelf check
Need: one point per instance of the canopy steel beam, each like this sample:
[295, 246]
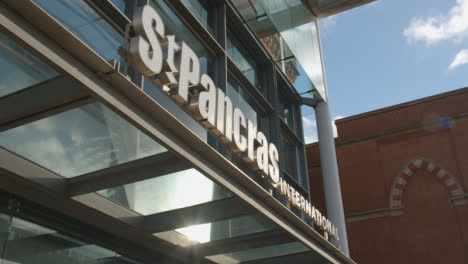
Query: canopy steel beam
[250, 241]
[41, 100]
[138, 170]
[296, 258]
[111, 260]
[196, 214]
[40, 244]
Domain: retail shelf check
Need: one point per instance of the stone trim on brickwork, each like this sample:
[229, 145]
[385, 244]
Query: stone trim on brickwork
[371, 214]
[400, 181]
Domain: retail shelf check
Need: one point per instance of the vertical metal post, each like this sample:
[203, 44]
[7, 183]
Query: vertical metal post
[331, 179]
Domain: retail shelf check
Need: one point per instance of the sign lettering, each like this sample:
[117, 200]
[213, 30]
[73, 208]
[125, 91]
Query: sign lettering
[175, 68]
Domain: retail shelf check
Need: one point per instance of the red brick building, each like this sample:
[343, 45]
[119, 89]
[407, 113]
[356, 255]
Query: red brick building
[404, 178]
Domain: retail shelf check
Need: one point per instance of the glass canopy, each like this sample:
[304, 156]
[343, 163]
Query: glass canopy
[288, 30]
[105, 161]
[19, 69]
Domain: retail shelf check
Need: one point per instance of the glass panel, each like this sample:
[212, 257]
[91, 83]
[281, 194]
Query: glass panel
[286, 108]
[19, 69]
[241, 99]
[268, 252]
[79, 141]
[86, 24]
[204, 11]
[248, 9]
[159, 96]
[229, 228]
[243, 59]
[174, 26]
[5, 221]
[29, 243]
[120, 4]
[286, 113]
[297, 26]
[168, 192]
[289, 155]
[285, 59]
[240, 226]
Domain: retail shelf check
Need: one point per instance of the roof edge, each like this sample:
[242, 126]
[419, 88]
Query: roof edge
[402, 105]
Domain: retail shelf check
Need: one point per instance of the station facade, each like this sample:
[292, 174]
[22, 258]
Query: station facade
[161, 132]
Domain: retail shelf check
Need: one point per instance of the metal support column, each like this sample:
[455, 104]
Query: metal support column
[331, 178]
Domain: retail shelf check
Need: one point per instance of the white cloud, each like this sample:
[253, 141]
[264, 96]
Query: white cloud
[310, 129]
[433, 29]
[326, 24]
[310, 138]
[308, 122]
[460, 59]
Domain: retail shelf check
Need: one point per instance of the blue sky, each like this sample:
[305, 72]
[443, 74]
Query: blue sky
[392, 51]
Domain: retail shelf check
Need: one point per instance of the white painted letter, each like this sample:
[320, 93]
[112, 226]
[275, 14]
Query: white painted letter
[145, 50]
[239, 123]
[203, 106]
[262, 153]
[189, 73]
[224, 116]
[274, 169]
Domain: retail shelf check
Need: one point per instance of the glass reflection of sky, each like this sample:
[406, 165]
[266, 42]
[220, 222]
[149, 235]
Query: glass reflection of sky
[79, 141]
[297, 26]
[239, 102]
[78, 17]
[19, 69]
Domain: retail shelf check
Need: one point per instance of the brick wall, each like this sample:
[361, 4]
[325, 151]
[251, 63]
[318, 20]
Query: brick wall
[404, 178]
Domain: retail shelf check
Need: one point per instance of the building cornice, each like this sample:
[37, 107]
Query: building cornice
[402, 105]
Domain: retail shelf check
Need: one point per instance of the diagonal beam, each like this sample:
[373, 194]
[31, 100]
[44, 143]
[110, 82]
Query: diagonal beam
[111, 260]
[35, 245]
[41, 100]
[250, 241]
[193, 215]
[138, 170]
[296, 258]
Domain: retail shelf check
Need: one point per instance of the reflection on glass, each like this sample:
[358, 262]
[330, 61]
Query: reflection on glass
[20, 69]
[4, 229]
[286, 108]
[289, 155]
[175, 26]
[120, 4]
[229, 228]
[248, 9]
[204, 11]
[79, 141]
[243, 59]
[268, 252]
[78, 17]
[279, 50]
[242, 100]
[240, 226]
[159, 96]
[168, 192]
[29, 243]
[199, 233]
[297, 26]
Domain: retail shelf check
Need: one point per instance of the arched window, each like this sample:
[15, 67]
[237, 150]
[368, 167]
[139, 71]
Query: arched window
[399, 183]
